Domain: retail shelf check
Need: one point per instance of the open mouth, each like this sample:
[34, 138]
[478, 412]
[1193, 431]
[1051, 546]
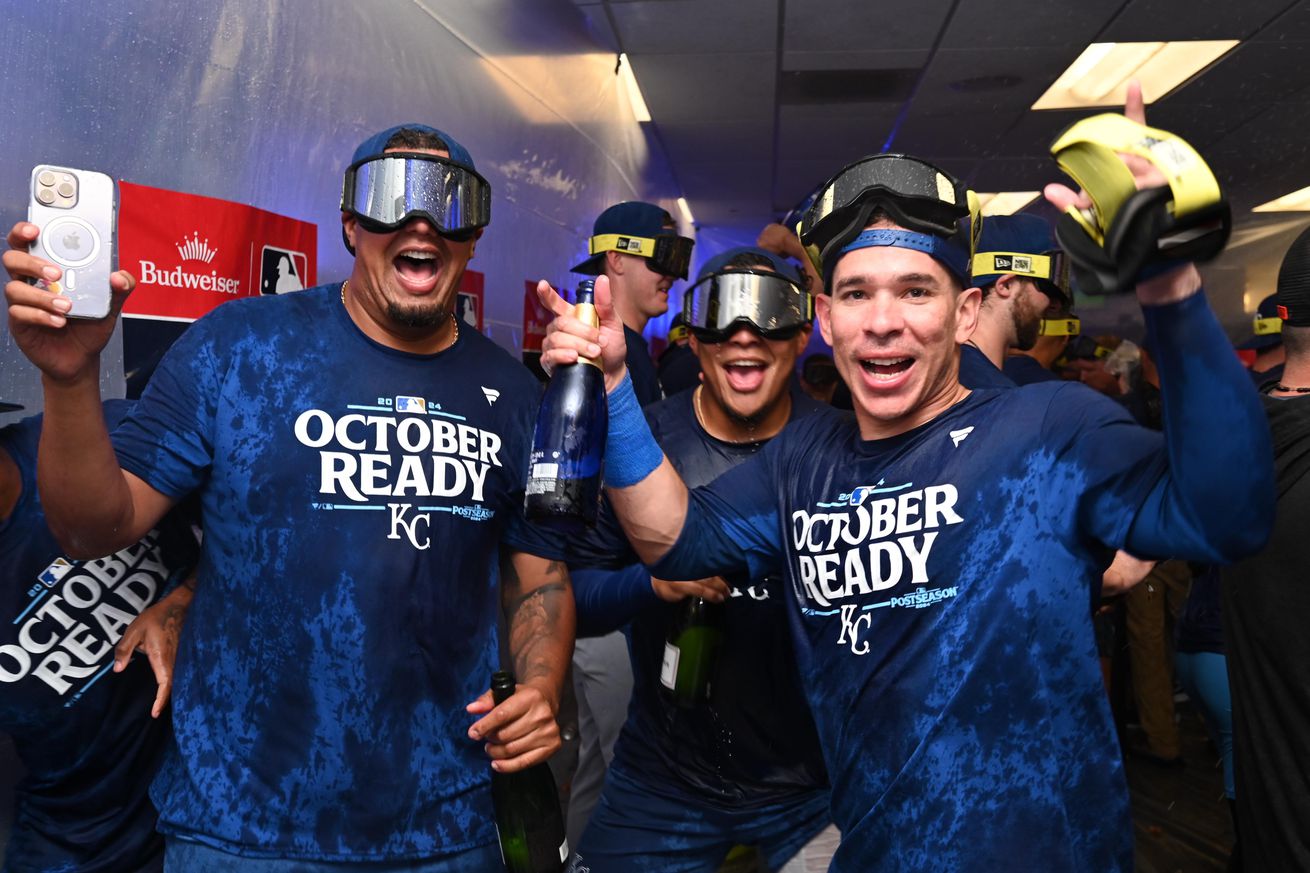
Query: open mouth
[745, 376]
[886, 369]
[418, 269]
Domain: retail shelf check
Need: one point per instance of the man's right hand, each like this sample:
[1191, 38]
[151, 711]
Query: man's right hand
[567, 338]
[64, 349]
[714, 589]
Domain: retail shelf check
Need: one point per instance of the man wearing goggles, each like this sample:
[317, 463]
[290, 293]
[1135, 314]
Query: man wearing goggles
[942, 548]
[636, 245]
[686, 785]
[331, 705]
[1058, 327]
[1020, 270]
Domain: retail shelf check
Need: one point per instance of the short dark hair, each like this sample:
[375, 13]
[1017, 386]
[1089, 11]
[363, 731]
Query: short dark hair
[1296, 341]
[746, 260]
[409, 139]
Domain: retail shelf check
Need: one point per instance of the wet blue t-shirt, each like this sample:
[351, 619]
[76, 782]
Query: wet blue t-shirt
[940, 584]
[940, 615]
[354, 498]
[83, 732]
[977, 370]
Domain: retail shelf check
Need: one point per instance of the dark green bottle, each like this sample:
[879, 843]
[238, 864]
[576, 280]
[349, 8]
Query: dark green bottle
[691, 651]
[528, 818]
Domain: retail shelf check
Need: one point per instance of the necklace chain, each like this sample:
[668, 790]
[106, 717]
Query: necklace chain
[700, 417]
[453, 319]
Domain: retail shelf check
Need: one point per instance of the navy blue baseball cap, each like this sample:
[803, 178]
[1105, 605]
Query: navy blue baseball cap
[637, 228]
[377, 144]
[719, 262]
[1020, 245]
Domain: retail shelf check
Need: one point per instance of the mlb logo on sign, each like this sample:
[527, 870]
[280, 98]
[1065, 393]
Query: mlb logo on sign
[50, 576]
[281, 270]
[411, 404]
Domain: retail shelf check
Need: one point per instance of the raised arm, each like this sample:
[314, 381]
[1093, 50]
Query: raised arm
[92, 506]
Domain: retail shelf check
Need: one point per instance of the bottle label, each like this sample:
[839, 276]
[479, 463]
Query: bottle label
[543, 479]
[669, 669]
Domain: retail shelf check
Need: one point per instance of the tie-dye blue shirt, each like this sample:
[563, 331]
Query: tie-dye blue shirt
[83, 732]
[354, 499]
[941, 584]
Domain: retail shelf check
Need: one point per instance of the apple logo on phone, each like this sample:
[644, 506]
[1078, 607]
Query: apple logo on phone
[73, 241]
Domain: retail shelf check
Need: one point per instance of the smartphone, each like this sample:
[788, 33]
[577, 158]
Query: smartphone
[76, 211]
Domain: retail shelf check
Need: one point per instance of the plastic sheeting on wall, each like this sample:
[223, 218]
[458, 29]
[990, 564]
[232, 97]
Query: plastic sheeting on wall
[263, 101]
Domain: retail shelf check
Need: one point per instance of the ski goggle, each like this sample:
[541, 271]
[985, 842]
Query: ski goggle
[1067, 325]
[668, 255]
[772, 305]
[917, 196]
[386, 191]
[1050, 269]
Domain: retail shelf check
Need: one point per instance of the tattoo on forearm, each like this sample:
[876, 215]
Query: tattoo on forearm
[540, 624]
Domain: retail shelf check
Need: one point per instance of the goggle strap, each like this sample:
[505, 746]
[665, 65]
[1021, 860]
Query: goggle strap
[620, 242]
[1032, 266]
[1267, 326]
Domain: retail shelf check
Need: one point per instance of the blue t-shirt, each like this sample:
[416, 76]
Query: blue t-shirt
[354, 499]
[83, 732]
[645, 380]
[977, 370]
[754, 743]
[940, 614]
[940, 586]
[1025, 370]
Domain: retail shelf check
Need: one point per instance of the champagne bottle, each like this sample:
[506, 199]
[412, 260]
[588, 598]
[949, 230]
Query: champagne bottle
[528, 818]
[691, 651]
[568, 446]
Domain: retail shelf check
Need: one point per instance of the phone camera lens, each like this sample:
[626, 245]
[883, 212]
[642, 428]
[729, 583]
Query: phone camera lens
[45, 195]
[46, 178]
[65, 189]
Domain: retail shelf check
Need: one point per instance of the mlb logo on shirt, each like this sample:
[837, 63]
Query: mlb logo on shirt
[50, 576]
[411, 404]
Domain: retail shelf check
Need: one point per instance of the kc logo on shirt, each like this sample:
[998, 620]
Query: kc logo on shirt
[401, 447]
[867, 543]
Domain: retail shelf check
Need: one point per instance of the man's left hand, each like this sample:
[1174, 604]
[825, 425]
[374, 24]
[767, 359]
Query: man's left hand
[155, 633]
[520, 732]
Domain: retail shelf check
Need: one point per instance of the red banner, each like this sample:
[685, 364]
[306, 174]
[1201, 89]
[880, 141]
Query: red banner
[191, 253]
[469, 299]
[535, 318]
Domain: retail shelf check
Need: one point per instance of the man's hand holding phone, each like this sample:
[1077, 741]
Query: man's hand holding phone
[64, 349]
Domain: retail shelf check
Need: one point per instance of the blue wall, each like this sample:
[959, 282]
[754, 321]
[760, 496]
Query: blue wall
[262, 102]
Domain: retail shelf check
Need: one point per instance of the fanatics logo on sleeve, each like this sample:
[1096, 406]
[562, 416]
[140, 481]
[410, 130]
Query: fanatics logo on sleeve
[491, 394]
[957, 436]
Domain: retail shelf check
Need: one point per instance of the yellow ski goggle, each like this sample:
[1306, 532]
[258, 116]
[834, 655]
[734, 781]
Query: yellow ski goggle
[668, 254]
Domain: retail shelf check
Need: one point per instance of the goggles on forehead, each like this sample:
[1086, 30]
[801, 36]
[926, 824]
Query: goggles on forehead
[917, 196]
[771, 304]
[1050, 269]
[1064, 326]
[669, 255]
[386, 191]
